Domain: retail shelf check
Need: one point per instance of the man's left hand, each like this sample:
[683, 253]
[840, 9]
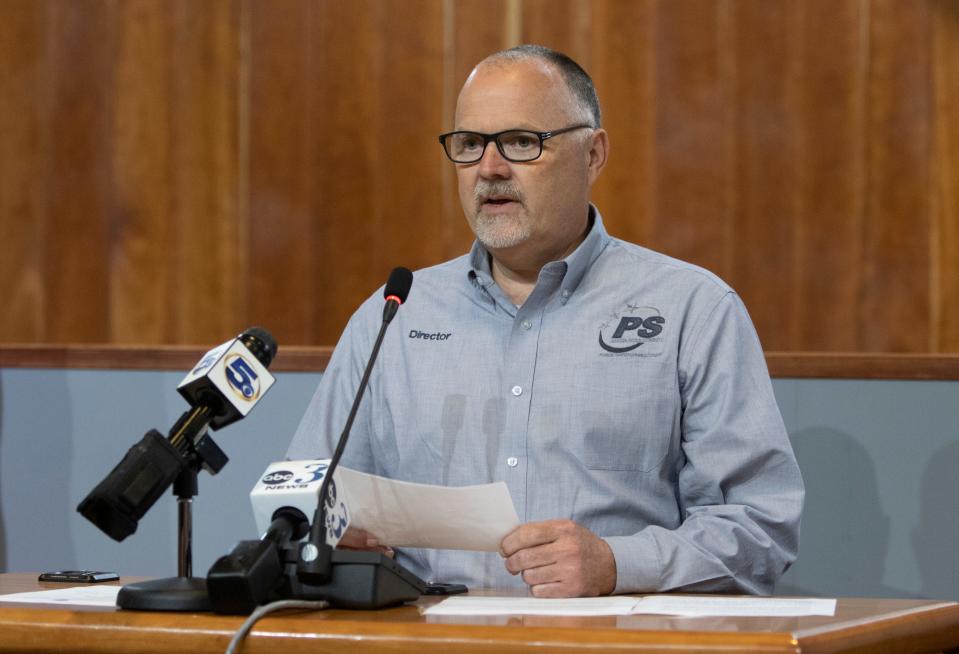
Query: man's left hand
[560, 558]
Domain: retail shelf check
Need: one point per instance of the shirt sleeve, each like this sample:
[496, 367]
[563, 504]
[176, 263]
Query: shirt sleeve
[740, 489]
[325, 417]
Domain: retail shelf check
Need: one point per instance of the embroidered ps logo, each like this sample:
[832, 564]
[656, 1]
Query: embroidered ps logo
[632, 327]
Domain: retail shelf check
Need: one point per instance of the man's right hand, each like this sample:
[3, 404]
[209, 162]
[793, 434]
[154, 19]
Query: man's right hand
[360, 539]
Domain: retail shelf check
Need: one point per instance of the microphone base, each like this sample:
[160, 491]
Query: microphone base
[363, 580]
[170, 594]
[249, 576]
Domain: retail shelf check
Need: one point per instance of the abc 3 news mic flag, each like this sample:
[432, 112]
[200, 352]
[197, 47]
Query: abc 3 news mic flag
[296, 484]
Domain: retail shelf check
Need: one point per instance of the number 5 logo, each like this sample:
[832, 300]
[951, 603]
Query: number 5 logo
[242, 378]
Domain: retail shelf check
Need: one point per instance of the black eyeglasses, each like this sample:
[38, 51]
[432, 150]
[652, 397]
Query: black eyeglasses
[516, 145]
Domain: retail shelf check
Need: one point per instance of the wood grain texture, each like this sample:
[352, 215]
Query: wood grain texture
[945, 194]
[896, 248]
[141, 273]
[690, 151]
[378, 166]
[830, 180]
[209, 244]
[346, 155]
[476, 28]
[409, 221]
[563, 25]
[764, 214]
[282, 258]
[141, 357]
[782, 365]
[81, 39]
[859, 625]
[624, 72]
[171, 172]
[23, 63]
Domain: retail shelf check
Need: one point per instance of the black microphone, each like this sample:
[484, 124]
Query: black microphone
[223, 387]
[395, 293]
[314, 565]
[255, 571]
[252, 573]
[229, 379]
[271, 568]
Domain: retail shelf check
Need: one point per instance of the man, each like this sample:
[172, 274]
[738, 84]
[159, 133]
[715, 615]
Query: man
[621, 395]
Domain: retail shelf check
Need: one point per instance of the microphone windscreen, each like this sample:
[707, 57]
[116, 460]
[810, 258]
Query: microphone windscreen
[261, 344]
[399, 284]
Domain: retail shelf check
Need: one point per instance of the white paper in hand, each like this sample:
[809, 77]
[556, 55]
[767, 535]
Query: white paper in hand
[404, 514]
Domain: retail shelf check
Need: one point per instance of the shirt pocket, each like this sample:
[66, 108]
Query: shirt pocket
[627, 429]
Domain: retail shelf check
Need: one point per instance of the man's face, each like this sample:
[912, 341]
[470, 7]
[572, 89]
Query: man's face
[538, 209]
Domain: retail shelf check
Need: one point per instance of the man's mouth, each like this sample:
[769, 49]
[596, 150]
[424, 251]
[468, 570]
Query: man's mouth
[498, 201]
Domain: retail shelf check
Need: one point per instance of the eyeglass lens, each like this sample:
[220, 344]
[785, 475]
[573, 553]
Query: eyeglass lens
[518, 145]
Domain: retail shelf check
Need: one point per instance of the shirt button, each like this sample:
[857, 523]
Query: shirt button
[565, 292]
[512, 462]
[517, 391]
[527, 324]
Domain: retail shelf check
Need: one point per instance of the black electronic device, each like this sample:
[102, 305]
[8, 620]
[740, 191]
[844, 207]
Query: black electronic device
[314, 566]
[256, 572]
[313, 570]
[78, 576]
[253, 572]
[223, 387]
[435, 588]
[363, 580]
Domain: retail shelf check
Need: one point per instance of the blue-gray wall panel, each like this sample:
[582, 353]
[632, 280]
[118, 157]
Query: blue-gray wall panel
[878, 458]
[61, 431]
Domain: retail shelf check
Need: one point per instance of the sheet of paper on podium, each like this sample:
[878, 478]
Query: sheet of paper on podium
[703, 605]
[495, 605]
[676, 605]
[69, 595]
[404, 514]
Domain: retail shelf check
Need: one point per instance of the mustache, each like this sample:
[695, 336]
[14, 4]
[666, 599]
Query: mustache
[502, 188]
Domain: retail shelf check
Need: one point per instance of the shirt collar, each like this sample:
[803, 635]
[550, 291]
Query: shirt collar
[576, 264]
[582, 258]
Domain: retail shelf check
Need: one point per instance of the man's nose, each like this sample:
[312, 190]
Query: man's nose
[493, 164]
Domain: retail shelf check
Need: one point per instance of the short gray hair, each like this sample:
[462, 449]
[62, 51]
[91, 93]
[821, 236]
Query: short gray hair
[577, 80]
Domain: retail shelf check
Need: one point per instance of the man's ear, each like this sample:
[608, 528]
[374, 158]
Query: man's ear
[598, 153]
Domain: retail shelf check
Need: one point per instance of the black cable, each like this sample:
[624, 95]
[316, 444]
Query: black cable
[260, 612]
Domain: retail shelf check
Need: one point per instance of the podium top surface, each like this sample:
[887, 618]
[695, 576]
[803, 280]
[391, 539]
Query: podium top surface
[860, 624]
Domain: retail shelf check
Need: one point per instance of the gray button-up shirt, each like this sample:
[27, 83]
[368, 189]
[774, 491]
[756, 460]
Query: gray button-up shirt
[629, 393]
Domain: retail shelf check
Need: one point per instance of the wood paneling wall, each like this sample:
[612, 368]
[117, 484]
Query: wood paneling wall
[172, 171]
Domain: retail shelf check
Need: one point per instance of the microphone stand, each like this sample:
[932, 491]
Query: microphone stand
[124, 496]
[351, 578]
[274, 568]
[315, 555]
[183, 592]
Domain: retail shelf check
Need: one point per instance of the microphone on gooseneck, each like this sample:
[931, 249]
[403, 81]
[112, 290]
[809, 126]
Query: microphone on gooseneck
[314, 565]
[395, 293]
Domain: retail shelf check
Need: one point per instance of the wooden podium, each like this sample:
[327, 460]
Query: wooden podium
[860, 625]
